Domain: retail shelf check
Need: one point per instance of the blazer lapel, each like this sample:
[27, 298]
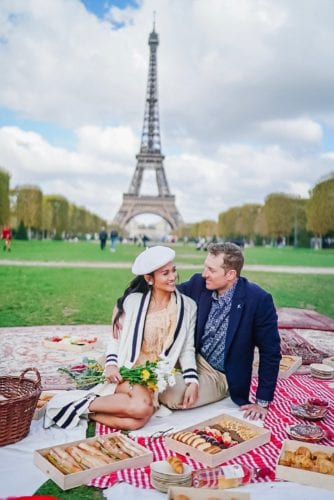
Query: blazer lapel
[204, 306]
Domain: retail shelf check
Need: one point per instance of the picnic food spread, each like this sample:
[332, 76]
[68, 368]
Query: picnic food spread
[85, 455]
[304, 458]
[216, 437]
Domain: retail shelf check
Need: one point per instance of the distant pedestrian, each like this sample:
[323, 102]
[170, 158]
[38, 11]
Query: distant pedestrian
[113, 240]
[145, 240]
[6, 235]
[103, 236]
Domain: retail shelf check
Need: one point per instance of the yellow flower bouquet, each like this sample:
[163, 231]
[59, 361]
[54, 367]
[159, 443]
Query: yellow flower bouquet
[155, 375]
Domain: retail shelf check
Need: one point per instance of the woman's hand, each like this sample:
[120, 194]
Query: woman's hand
[190, 396]
[112, 374]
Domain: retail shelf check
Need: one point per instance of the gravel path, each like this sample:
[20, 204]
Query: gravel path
[198, 267]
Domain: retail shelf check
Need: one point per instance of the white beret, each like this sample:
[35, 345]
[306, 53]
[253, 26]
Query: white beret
[152, 259]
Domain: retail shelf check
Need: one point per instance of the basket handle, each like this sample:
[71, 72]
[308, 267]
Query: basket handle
[38, 381]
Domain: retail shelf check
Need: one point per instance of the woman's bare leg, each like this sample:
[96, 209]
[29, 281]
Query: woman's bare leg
[129, 408]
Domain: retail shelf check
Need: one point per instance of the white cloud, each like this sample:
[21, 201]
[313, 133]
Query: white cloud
[245, 96]
[299, 130]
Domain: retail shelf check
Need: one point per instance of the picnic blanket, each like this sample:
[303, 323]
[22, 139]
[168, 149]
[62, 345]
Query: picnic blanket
[303, 333]
[295, 389]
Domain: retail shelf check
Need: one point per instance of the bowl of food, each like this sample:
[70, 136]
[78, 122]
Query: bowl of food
[318, 402]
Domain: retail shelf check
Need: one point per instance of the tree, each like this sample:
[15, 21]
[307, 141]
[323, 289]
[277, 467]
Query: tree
[228, 223]
[246, 220]
[279, 211]
[320, 208]
[55, 219]
[21, 233]
[4, 197]
[29, 206]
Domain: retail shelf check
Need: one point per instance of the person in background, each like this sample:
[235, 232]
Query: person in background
[103, 236]
[113, 240]
[234, 316]
[6, 235]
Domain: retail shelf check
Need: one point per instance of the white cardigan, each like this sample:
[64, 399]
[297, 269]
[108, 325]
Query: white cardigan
[125, 350]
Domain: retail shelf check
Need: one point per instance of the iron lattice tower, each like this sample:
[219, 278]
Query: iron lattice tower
[150, 158]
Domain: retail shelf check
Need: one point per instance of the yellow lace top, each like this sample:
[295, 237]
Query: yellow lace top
[159, 331]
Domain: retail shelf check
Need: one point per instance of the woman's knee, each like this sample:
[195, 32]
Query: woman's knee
[140, 409]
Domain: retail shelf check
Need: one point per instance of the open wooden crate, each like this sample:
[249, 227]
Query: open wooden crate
[261, 437]
[297, 475]
[205, 494]
[288, 365]
[67, 481]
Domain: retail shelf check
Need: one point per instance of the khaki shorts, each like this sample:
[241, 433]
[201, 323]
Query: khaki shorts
[212, 387]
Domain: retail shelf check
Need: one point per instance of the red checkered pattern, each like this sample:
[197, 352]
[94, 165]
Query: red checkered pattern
[296, 389]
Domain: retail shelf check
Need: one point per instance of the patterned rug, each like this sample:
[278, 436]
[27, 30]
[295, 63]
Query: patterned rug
[21, 348]
[304, 333]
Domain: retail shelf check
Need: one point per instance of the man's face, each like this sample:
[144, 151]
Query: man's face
[216, 278]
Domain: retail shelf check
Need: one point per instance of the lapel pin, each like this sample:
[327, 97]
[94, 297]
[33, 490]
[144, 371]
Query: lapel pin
[239, 306]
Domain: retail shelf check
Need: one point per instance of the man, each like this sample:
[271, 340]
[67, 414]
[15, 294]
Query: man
[113, 240]
[103, 237]
[234, 316]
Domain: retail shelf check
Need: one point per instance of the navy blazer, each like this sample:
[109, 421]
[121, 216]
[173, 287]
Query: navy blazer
[252, 323]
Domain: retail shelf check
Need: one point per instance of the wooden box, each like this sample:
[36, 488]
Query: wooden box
[44, 397]
[206, 494]
[262, 436]
[67, 481]
[288, 365]
[67, 346]
[301, 476]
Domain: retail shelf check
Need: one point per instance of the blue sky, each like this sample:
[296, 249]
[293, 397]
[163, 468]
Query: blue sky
[245, 95]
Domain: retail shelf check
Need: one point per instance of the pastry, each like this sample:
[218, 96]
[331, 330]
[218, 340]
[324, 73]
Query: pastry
[176, 464]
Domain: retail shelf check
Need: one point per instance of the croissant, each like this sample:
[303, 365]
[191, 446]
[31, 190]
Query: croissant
[176, 464]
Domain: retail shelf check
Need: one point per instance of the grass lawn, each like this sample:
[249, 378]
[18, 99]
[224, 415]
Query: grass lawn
[50, 296]
[90, 251]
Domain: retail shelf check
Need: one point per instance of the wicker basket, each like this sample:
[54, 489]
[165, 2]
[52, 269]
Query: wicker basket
[17, 405]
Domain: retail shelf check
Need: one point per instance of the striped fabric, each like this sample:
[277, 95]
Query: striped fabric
[296, 388]
[69, 416]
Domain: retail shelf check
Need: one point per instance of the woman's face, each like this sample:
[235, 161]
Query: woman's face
[164, 278]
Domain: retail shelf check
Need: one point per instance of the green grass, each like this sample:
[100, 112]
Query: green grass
[90, 252]
[31, 296]
[49, 296]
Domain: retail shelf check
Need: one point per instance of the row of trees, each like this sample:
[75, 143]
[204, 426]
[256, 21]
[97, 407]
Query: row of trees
[43, 215]
[282, 218]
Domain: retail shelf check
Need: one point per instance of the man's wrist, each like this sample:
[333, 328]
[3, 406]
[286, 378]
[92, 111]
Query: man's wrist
[262, 402]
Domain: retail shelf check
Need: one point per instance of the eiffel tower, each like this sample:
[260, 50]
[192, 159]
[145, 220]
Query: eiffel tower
[150, 158]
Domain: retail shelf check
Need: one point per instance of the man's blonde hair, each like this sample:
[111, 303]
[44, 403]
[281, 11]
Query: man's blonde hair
[232, 255]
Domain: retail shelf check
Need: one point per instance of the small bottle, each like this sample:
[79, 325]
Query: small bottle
[226, 476]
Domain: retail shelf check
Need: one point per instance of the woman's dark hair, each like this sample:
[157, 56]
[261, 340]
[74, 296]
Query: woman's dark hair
[138, 284]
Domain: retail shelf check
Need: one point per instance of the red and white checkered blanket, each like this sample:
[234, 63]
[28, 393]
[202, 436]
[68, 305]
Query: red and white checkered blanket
[296, 389]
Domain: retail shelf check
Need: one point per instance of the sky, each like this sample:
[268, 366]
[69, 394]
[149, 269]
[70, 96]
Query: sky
[246, 98]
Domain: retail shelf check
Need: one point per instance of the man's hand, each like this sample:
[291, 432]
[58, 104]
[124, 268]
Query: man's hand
[254, 411]
[190, 396]
[112, 374]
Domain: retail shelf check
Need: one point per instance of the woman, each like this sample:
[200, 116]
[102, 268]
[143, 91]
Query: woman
[151, 320]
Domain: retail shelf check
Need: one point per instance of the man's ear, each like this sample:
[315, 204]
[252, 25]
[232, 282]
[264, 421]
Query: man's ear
[231, 274]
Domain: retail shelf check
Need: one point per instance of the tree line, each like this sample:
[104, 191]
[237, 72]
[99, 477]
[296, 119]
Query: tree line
[26, 208]
[283, 218]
